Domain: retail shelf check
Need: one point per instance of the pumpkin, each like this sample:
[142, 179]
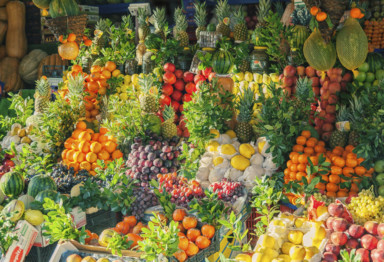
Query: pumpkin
[69, 50]
[3, 14]
[2, 52]
[59, 8]
[3, 31]
[3, 2]
[222, 61]
[351, 44]
[16, 42]
[9, 74]
[42, 4]
[29, 66]
[319, 54]
[51, 61]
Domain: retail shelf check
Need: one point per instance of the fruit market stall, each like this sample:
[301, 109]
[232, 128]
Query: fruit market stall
[258, 138]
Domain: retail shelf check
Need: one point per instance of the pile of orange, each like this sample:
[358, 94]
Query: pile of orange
[343, 162]
[92, 238]
[191, 239]
[131, 229]
[85, 147]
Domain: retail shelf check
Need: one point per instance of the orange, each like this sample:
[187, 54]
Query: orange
[94, 112]
[76, 133]
[351, 162]
[102, 91]
[320, 186]
[103, 130]
[298, 148]
[81, 125]
[292, 175]
[331, 194]
[137, 229]
[354, 187]
[192, 249]
[311, 142]
[360, 170]
[68, 143]
[314, 160]
[371, 170]
[202, 242]
[295, 158]
[94, 166]
[300, 175]
[180, 234]
[91, 157]
[110, 66]
[92, 173]
[292, 154]
[301, 167]
[189, 222]
[85, 165]
[64, 154]
[337, 151]
[208, 231]
[90, 131]
[110, 147]
[85, 136]
[301, 140]
[74, 165]
[183, 243]
[348, 171]
[106, 74]
[180, 255]
[76, 68]
[342, 194]
[180, 227]
[193, 233]
[334, 179]
[353, 193]
[339, 162]
[78, 157]
[332, 187]
[134, 238]
[303, 159]
[355, 13]
[70, 155]
[95, 147]
[75, 144]
[117, 154]
[122, 227]
[92, 87]
[351, 155]
[116, 73]
[103, 138]
[309, 150]
[131, 220]
[179, 214]
[289, 163]
[84, 147]
[336, 170]
[321, 143]
[112, 139]
[349, 148]
[360, 160]
[325, 178]
[319, 149]
[286, 171]
[306, 134]
[103, 155]
[293, 168]
[95, 136]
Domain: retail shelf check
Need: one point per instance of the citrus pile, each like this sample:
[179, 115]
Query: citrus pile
[85, 147]
[343, 163]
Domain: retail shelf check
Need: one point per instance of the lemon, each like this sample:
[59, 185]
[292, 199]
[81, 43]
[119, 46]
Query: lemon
[231, 134]
[270, 253]
[218, 160]
[267, 241]
[124, 88]
[310, 252]
[228, 149]
[297, 252]
[248, 76]
[127, 79]
[274, 77]
[135, 79]
[299, 222]
[215, 132]
[240, 162]
[212, 146]
[286, 247]
[278, 222]
[141, 75]
[295, 236]
[285, 258]
[266, 79]
[288, 216]
[124, 96]
[260, 146]
[118, 89]
[239, 77]
[258, 78]
[257, 257]
[321, 210]
[243, 258]
[246, 150]
[320, 233]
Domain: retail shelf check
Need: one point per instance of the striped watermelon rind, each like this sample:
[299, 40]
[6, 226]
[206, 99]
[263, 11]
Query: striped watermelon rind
[12, 184]
[375, 62]
[222, 62]
[51, 194]
[40, 183]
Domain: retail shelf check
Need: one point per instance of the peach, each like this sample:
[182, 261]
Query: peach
[329, 257]
[371, 227]
[339, 238]
[356, 231]
[352, 243]
[333, 249]
[329, 222]
[377, 255]
[335, 210]
[364, 253]
[380, 230]
[369, 242]
[380, 245]
[339, 224]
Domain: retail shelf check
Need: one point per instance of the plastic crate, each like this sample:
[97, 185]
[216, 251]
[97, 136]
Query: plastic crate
[97, 256]
[40, 254]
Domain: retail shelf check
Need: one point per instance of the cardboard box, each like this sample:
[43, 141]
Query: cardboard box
[79, 217]
[20, 249]
[41, 240]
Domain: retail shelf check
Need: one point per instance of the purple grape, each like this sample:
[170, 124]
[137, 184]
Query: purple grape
[146, 170]
[163, 156]
[173, 169]
[176, 154]
[176, 162]
[143, 155]
[148, 163]
[170, 156]
[148, 149]
[167, 163]
[158, 162]
[155, 169]
[151, 156]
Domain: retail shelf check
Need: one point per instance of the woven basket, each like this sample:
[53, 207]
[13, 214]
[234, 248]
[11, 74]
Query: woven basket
[68, 24]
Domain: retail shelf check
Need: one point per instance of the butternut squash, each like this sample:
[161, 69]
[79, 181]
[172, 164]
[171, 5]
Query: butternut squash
[3, 31]
[3, 14]
[3, 2]
[2, 52]
[9, 74]
[16, 42]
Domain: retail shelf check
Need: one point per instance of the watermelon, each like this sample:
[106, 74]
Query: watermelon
[375, 62]
[60, 8]
[211, 28]
[40, 183]
[46, 194]
[12, 184]
[222, 62]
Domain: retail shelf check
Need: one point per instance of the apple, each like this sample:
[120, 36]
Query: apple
[356, 231]
[371, 227]
[167, 89]
[330, 118]
[339, 238]
[301, 70]
[380, 230]
[175, 105]
[377, 255]
[169, 67]
[190, 88]
[329, 257]
[177, 95]
[380, 179]
[179, 85]
[288, 81]
[198, 78]
[339, 225]
[315, 81]
[352, 243]
[169, 78]
[364, 254]
[380, 245]
[206, 72]
[333, 249]
[327, 127]
[179, 74]
[334, 88]
[187, 98]
[74, 258]
[289, 71]
[369, 242]
[310, 71]
[316, 90]
[188, 77]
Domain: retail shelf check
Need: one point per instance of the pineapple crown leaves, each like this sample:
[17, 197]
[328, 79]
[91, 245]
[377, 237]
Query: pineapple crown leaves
[245, 103]
[301, 16]
[349, 257]
[242, 52]
[126, 23]
[159, 18]
[181, 21]
[225, 45]
[168, 113]
[239, 16]
[263, 10]
[146, 83]
[142, 16]
[201, 14]
[43, 88]
[356, 110]
[222, 9]
[304, 90]
[279, 7]
[343, 114]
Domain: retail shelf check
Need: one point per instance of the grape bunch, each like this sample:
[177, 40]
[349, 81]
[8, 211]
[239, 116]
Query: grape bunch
[367, 207]
[181, 190]
[145, 198]
[228, 191]
[152, 157]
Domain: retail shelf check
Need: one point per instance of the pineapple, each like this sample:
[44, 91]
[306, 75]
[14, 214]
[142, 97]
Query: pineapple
[263, 10]
[160, 22]
[75, 94]
[356, 114]
[168, 127]
[142, 17]
[339, 138]
[181, 27]
[101, 29]
[279, 7]
[223, 12]
[240, 31]
[245, 105]
[148, 101]
[242, 57]
[42, 95]
[178, 12]
[200, 18]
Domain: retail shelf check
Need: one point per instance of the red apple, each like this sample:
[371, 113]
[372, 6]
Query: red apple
[323, 81]
[167, 89]
[188, 77]
[179, 74]
[339, 238]
[175, 105]
[316, 90]
[327, 127]
[179, 85]
[334, 88]
[333, 249]
[377, 255]
[352, 243]
[310, 71]
[324, 94]
[347, 216]
[169, 67]
[289, 71]
[339, 224]
[169, 78]
[165, 100]
[207, 71]
[179, 132]
[177, 95]
[330, 118]
[190, 88]
[380, 230]
[335, 210]
[348, 77]
[288, 81]
[364, 254]
[371, 227]
[333, 99]
[329, 257]
[356, 231]
[187, 98]
[181, 108]
[186, 133]
[369, 242]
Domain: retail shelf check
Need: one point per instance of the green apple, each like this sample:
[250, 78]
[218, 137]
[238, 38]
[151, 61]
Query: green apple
[380, 179]
[379, 166]
[361, 76]
[370, 77]
[381, 191]
[364, 67]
